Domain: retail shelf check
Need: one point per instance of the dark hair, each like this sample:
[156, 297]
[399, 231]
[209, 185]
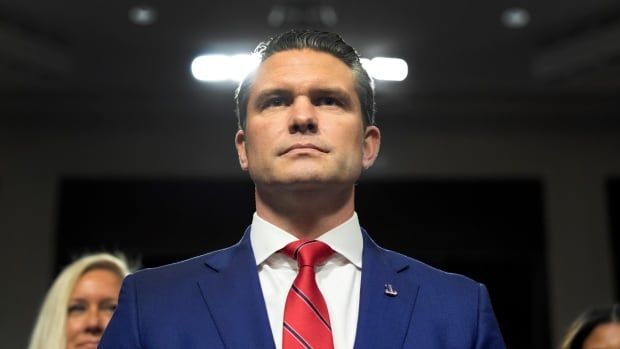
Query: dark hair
[581, 328]
[327, 42]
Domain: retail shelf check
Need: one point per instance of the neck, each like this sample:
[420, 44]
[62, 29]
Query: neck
[307, 214]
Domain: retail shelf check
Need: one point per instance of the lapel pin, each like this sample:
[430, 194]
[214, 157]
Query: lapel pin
[389, 291]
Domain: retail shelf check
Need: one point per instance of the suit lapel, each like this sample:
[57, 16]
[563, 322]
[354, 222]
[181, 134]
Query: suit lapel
[233, 294]
[383, 319]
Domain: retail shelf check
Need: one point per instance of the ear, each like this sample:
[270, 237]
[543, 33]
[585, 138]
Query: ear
[370, 146]
[240, 145]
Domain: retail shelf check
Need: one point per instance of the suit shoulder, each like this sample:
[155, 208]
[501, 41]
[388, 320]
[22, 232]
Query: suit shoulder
[449, 306]
[425, 273]
[179, 270]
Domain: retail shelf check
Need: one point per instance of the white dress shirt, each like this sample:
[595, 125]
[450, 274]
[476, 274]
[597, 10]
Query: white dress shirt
[338, 278]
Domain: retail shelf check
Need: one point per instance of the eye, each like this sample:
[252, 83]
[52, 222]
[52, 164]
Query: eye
[273, 102]
[329, 101]
[76, 308]
[111, 307]
[108, 304]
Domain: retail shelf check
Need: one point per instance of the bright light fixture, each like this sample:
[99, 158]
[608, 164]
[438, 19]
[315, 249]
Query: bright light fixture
[222, 67]
[217, 67]
[143, 15]
[515, 18]
[386, 68]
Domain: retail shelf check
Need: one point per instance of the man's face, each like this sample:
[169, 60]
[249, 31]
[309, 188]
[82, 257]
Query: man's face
[304, 125]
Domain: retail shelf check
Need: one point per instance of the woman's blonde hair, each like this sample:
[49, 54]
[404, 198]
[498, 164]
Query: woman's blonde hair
[49, 330]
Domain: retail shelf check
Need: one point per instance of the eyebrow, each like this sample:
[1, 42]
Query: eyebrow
[338, 92]
[272, 92]
[79, 299]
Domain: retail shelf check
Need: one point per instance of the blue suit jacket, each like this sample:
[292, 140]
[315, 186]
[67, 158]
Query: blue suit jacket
[215, 301]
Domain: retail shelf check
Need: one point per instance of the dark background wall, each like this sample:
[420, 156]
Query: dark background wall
[490, 230]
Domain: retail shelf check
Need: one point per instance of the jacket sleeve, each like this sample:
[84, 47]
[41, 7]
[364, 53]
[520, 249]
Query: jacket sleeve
[123, 330]
[488, 335]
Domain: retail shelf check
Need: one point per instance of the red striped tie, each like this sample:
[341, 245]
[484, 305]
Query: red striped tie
[306, 319]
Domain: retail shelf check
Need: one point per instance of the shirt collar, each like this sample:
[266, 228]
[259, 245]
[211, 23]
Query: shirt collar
[345, 239]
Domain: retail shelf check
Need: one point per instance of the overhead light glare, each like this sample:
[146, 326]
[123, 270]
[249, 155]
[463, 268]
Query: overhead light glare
[515, 18]
[223, 67]
[386, 68]
[143, 15]
[217, 67]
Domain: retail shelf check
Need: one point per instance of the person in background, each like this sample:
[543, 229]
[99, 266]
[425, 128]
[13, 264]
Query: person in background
[596, 328]
[80, 303]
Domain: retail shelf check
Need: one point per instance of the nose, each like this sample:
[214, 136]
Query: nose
[303, 118]
[95, 322]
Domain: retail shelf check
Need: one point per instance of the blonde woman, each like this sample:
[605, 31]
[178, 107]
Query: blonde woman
[80, 303]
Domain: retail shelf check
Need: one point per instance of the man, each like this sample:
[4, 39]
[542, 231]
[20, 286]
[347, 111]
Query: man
[304, 275]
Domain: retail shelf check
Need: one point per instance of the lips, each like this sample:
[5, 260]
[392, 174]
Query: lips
[304, 146]
[88, 344]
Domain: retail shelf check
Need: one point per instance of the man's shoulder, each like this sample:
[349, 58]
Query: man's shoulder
[450, 309]
[173, 273]
[427, 275]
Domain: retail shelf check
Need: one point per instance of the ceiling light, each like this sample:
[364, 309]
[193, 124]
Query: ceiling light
[142, 15]
[386, 68]
[302, 14]
[218, 67]
[223, 67]
[515, 18]
[328, 15]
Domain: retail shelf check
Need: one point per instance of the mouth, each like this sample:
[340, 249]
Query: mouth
[302, 147]
[89, 344]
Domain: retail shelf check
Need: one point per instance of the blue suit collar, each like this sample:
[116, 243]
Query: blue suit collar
[232, 291]
[384, 317]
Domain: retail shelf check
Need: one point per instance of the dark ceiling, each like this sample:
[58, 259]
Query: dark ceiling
[78, 58]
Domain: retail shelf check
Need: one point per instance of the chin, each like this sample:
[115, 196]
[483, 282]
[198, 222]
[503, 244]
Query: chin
[309, 182]
[303, 177]
[316, 182]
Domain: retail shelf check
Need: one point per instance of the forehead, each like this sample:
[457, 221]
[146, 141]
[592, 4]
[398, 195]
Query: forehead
[604, 336]
[303, 69]
[97, 280]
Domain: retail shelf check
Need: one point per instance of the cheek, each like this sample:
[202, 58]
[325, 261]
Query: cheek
[73, 327]
[259, 145]
[106, 319]
[353, 142]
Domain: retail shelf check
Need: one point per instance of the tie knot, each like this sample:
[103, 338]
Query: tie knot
[308, 252]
